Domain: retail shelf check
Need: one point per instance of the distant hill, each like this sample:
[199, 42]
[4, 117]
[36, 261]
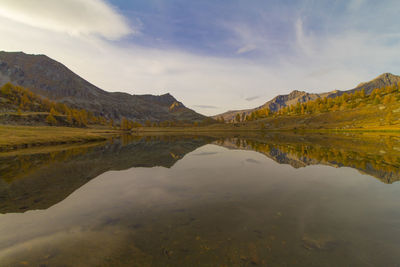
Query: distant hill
[53, 80]
[296, 96]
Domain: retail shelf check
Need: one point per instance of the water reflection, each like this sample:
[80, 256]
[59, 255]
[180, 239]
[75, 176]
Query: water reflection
[211, 200]
[39, 179]
[375, 155]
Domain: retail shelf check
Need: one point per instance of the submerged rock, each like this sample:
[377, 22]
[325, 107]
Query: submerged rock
[319, 243]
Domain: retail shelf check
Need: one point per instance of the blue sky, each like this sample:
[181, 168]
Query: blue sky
[259, 28]
[212, 55]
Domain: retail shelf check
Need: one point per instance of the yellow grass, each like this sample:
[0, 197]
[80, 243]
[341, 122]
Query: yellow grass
[12, 137]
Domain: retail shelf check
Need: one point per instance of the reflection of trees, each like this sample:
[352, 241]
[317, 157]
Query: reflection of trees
[379, 160]
[14, 167]
[42, 179]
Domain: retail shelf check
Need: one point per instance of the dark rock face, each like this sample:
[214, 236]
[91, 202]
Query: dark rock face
[55, 81]
[296, 96]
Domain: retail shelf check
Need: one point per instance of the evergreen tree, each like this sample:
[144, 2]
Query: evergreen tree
[389, 118]
[51, 120]
[237, 117]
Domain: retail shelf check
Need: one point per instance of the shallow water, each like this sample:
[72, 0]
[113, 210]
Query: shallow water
[271, 200]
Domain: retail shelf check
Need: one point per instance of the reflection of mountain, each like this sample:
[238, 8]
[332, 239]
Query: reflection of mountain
[374, 156]
[40, 180]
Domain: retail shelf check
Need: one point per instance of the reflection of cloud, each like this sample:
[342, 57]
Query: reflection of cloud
[205, 106]
[251, 98]
[61, 241]
[253, 161]
[205, 153]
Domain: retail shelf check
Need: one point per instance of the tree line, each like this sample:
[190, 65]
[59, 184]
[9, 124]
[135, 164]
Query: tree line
[22, 99]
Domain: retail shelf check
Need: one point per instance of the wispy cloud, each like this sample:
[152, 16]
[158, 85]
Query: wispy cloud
[355, 4]
[251, 98]
[253, 161]
[246, 48]
[205, 153]
[205, 106]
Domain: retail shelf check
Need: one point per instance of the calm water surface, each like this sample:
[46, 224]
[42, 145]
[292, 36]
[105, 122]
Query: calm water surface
[271, 200]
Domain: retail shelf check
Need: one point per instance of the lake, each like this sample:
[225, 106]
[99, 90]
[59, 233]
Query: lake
[272, 199]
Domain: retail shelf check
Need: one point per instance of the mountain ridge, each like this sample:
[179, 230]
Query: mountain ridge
[52, 79]
[296, 96]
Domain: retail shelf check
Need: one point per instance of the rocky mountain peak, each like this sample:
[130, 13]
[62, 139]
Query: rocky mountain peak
[296, 93]
[382, 80]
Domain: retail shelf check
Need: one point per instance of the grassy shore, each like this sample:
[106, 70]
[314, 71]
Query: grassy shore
[14, 137]
[363, 120]
[257, 127]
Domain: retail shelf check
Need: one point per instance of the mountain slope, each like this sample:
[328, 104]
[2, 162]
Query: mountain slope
[279, 102]
[55, 81]
[382, 80]
[295, 96]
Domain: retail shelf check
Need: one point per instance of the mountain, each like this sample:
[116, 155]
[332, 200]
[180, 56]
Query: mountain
[278, 102]
[382, 80]
[53, 80]
[296, 96]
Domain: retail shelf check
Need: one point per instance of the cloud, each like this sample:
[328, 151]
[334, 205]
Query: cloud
[355, 4]
[75, 17]
[253, 161]
[246, 48]
[205, 153]
[205, 106]
[251, 98]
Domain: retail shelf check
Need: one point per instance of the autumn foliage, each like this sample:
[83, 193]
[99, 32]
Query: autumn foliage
[380, 96]
[24, 100]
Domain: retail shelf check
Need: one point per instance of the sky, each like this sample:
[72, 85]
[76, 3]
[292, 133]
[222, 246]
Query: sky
[212, 55]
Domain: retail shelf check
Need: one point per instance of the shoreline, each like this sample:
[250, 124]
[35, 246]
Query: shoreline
[22, 137]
